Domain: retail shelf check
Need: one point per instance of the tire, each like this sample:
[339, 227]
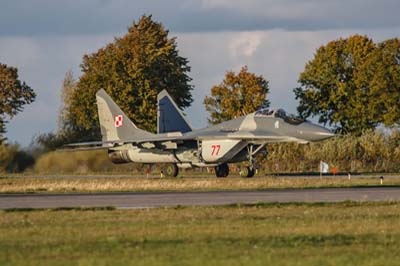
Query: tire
[218, 172]
[251, 172]
[225, 170]
[171, 170]
[247, 172]
[222, 170]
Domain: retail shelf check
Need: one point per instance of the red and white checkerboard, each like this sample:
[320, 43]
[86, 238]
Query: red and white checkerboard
[118, 121]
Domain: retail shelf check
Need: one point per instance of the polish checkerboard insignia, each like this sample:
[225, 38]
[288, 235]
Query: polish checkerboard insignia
[118, 121]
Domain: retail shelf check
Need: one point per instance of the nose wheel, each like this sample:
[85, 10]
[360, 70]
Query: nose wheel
[222, 170]
[252, 151]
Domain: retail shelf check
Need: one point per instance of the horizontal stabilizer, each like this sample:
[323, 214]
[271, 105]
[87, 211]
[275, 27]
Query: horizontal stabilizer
[115, 143]
[86, 148]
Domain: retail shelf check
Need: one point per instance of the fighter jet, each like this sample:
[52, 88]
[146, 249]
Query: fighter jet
[177, 145]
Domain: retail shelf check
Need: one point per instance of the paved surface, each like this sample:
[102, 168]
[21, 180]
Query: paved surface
[168, 199]
[231, 175]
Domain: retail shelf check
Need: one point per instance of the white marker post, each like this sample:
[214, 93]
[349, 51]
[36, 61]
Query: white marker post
[323, 168]
[320, 169]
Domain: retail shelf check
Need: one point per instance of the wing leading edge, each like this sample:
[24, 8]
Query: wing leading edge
[179, 137]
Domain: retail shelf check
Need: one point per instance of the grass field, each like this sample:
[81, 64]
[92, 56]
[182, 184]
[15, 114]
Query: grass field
[27, 184]
[270, 234]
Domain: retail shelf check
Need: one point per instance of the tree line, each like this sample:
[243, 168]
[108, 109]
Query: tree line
[373, 151]
[351, 84]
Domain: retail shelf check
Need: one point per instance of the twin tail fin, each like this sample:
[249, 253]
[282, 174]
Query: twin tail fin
[114, 123]
[169, 117]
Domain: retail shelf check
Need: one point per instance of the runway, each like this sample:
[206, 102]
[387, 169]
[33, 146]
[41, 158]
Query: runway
[170, 199]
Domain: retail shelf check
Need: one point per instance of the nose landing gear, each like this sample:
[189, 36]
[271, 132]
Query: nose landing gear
[252, 151]
[247, 172]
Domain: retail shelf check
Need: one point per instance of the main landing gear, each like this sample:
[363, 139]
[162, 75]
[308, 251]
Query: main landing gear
[222, 170]
[249, 171]
[171, 170]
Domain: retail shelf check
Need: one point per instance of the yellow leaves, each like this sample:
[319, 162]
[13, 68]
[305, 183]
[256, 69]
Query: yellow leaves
[237, 95]
[133, 70]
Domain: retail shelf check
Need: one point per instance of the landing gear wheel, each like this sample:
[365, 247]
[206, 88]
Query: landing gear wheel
[171, 170]
[247, 172]
[251, 172]
[222, 170]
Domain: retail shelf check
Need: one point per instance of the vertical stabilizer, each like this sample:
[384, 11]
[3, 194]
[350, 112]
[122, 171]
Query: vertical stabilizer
[170, 118]
[114, 124]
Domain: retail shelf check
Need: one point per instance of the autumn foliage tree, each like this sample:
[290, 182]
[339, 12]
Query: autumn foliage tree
[67, 121]
[352, 84]
[14, 95]
[238, 94]
[382, 78]
[133, 70]
[68, 131]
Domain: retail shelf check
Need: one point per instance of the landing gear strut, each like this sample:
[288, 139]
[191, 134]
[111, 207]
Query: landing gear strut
[222, 170]
[249, 171]
[171, 170]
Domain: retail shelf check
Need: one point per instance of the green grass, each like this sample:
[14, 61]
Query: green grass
[263, 234]
[51, 184]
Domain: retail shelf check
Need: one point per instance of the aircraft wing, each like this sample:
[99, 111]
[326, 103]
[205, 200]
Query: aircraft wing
[267, 138]
[178, 137]
[92, 145]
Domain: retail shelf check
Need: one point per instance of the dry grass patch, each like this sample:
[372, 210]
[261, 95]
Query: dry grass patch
[108, 184]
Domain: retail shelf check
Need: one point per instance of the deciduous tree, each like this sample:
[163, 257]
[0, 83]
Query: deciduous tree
[133, 70]
[238, 94]
[14, 95]
[381, 78]
[352, 84]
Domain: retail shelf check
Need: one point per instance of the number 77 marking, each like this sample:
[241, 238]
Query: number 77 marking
[215, 149]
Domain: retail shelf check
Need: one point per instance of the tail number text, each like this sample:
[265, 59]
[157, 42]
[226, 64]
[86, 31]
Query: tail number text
[215, 149]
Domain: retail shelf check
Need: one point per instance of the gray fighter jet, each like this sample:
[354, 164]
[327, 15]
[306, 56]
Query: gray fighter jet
[177, 145]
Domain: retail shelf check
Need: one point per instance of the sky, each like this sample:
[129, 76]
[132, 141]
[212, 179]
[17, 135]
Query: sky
[275, 38]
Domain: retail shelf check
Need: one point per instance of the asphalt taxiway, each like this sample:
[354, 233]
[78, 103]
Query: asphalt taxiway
[171, 199]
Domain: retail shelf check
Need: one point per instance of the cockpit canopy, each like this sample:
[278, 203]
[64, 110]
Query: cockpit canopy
[280, 113]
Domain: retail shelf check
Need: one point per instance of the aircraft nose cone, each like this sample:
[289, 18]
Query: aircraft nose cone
[321, 133]
[314, 132]
[324, 133]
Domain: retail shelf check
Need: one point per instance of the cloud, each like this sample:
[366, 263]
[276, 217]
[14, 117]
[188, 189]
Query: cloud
[42, 62]
[278, 55]
[49, 17]
[245, 44]
[46, 38]
[28, 50]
